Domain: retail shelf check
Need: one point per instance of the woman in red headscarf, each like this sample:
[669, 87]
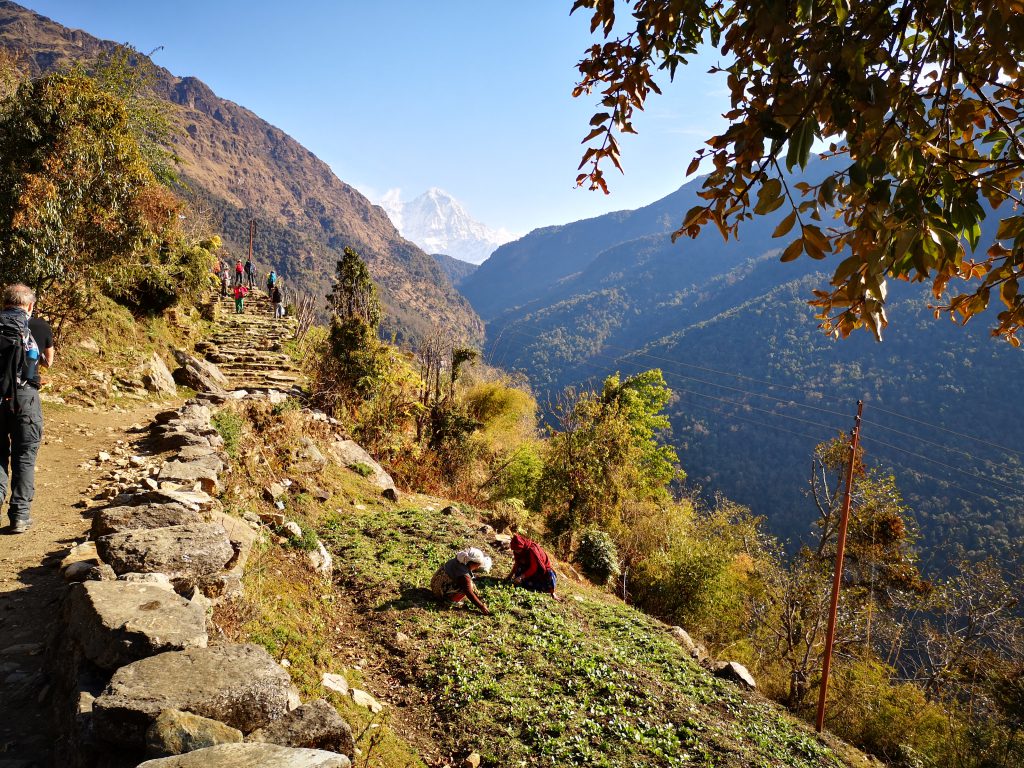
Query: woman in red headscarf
[531, 568]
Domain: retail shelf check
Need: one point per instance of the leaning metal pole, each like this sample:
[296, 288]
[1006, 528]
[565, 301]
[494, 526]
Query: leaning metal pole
[837, 581]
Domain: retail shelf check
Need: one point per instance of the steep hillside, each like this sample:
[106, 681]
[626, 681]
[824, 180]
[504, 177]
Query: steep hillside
[757, 383]
[239, 167]
[456, 269]
[524, 270]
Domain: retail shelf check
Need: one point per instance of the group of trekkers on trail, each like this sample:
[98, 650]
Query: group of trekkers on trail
[244, 281]
[26, 342]
[453, 582]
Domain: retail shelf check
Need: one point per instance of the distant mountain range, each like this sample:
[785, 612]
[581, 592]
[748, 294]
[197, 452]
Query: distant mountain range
[438, 223]
[238, 167]
[757, 384]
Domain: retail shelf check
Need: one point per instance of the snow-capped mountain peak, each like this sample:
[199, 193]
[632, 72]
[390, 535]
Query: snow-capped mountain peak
[438, 223]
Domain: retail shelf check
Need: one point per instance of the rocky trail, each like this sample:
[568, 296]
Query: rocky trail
[30, 580]
[248, 348]
[89, 456]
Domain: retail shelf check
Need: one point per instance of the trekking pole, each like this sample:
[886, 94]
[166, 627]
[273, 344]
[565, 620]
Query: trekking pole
[837, 580]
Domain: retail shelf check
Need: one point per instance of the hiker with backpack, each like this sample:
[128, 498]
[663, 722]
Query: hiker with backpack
[278, 301]
[225, 275]
[21, 414]
[240, 293]
[238, 272]
[250, 273]
[271, 282]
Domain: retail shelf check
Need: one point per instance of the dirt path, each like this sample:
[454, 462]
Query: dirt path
[30, 583]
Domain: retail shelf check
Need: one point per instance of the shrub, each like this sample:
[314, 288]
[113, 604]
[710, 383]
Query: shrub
[598, 556]
[229, 425]
[508, 513]
[361, 469]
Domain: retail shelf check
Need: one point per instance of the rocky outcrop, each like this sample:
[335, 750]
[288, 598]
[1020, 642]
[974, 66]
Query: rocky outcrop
[200, 375]
[156, 376]
[736, 672]
[137, 676]
[349, 454]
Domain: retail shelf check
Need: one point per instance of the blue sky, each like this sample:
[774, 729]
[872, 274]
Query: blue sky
[472, 97]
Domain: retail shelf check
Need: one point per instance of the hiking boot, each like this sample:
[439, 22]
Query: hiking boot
[20, 526]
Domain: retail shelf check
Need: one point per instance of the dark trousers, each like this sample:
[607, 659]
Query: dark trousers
[21, 433]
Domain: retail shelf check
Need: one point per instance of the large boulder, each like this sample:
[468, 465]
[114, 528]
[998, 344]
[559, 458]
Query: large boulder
[251, 756]
[117, 622]
[736, 672]
[239, 685]
[175, 733]
[156, 376]
[695, 650]
[110, 520]
[200, 375]
[316, 724]
[348, 454]
[188, 552]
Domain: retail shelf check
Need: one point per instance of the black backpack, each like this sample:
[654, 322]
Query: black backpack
[12, 357]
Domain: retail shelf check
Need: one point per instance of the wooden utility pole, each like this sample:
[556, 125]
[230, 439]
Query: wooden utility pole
[837, 581]
[252, 235]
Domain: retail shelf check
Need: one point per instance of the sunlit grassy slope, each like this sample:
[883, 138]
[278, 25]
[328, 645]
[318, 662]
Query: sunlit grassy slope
[588, 682]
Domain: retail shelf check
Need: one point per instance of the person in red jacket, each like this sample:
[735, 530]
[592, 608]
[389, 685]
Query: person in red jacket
[531, 567]
[240, 294]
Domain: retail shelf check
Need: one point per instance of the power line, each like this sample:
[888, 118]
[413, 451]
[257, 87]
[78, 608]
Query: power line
[755, 423]
[1014, 489]
[782, 400]
[950, 431]
[943, 480]
[638, 353]
[921, 439]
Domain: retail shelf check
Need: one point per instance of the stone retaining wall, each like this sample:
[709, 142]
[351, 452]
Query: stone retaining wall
[138, 679]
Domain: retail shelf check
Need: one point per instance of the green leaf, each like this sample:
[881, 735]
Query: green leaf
[800, 144]
[769, 197]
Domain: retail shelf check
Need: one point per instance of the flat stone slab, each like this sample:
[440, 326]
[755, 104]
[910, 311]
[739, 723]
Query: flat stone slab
[238, 685]
[180, 551]
[347, 452]
[110, 520]
[251, 756]
[194, 500]
[118, 622]
[191, 472]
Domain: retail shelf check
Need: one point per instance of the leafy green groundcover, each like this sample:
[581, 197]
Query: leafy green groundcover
[588, 682]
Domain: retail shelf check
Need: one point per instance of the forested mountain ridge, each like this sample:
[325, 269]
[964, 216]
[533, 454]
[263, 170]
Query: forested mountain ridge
[238, 167]
[757, 384]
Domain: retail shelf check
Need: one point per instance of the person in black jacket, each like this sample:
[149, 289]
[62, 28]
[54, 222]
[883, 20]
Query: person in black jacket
[21, 414]
[278, 301]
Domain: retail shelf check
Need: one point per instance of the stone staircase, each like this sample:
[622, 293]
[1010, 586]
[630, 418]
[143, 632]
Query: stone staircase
[249, 348]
